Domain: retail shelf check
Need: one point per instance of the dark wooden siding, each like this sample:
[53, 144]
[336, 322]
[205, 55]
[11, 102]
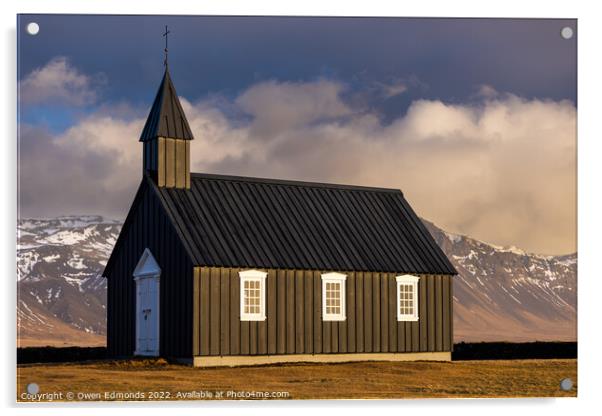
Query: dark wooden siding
[148, 227]
[294, 315]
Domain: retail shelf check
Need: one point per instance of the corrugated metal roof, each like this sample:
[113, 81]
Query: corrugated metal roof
[166, 117]
[236, 221]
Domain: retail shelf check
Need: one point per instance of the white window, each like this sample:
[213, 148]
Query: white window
[407, 297]
[333, 296]
[252, 295]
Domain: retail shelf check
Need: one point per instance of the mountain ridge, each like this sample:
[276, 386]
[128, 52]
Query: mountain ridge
[500, 293]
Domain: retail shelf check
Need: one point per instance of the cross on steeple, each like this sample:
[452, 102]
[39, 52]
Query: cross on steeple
[165, 36]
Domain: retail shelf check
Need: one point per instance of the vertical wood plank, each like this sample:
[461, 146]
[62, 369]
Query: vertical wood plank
[225, 311]
[376, 299]
[154, 154]
[180, 163]
[271, 300]
[334, 336]
[290, 311]
[342, 326]
[161, 162]
[422, 314]
[214, 283]
[392, 313]
[281, 307]
[253, 337]
[438, 314]
[326, 327]
[317, 298]
[401, 333]
[244, 337]
[368, 312]
[326, 336]
[245, 330]
[234, 312]
[196, 311]
[262, 326]
[431, 299]
[205, 311]
[170, 158]
[384, 313]
[446, 303]
[308, 309]
[351, 318]
[408, 332]
[359, 311]
[299, 312]
[187, 160]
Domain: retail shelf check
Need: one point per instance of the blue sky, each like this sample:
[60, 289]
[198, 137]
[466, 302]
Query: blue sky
[378, 76]
[446, 58]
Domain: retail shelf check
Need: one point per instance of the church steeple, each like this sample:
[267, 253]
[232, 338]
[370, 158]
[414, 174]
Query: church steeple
[166, 139]
[166, 117]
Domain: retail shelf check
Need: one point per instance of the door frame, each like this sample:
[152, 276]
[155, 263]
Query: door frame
[148, 269]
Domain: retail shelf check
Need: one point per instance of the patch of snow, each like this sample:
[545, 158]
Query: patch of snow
[35, 295]
[31, 313]
[27, 246]
[52, 258]
[76, 262]
[510, 294]
[75, 282]
[454, 238]
[25, 263]
[65, 237]
[567, 262]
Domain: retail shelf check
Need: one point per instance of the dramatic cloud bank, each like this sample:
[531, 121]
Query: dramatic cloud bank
[502, 168]
[58, 82]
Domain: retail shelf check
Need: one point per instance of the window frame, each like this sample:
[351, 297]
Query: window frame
[407, 279]
[334, 278]
[248, 276]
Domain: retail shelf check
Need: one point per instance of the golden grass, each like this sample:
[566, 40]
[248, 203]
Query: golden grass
[369, 380]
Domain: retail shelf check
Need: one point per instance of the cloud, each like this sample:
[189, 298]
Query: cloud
[91, 168]
[501, 169]
[486, 91]
[391, 89]
[58, 82]
[278, 107]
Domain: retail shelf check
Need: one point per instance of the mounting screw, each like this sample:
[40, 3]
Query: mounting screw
[33, 28]
[566, 384]
[566, 32]
[33, 388]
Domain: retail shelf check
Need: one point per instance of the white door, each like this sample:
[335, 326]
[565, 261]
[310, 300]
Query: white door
[147, 280]
[147, 319]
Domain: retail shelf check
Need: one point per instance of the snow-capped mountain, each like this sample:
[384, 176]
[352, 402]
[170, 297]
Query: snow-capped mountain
[61, 295]
[508, 294]
[499, 294]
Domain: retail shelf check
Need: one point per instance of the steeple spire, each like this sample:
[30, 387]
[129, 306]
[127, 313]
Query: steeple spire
[166, 137]
[166, 117]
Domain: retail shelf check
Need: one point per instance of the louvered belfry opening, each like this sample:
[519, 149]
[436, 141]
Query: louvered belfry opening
[166, 139]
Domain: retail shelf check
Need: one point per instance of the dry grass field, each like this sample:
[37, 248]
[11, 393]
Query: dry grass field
[370, 380]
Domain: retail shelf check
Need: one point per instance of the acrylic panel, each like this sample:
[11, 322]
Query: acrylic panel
[331, 206]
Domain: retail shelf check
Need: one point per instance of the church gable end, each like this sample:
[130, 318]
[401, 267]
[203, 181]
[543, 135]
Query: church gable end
[148, 227]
